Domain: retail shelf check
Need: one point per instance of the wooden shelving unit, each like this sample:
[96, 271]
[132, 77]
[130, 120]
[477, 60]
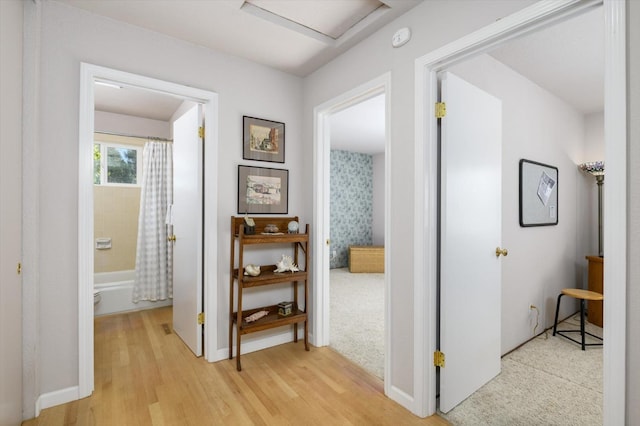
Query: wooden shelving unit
[299, 244]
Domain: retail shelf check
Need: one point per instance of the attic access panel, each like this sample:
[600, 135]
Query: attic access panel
[330, 18]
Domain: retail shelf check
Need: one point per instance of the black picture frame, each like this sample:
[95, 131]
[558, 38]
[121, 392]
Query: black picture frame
[538, 194]
[263, 190]
[263, 140]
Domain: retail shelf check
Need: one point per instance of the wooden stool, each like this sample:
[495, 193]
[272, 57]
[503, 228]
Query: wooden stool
[583, 295]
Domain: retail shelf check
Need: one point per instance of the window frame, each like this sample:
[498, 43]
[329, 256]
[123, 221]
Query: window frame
[104, 168]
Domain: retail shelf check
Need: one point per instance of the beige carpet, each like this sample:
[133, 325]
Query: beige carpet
[356, 323]
[548, 381]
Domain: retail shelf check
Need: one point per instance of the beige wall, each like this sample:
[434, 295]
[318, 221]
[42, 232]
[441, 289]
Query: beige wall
[115, 214]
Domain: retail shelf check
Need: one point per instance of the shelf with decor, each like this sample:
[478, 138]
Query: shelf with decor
[268, 275]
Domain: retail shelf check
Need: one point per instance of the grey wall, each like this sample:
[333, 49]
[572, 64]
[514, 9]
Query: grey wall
[76, 36]
[68, 37]
[11, 211]
[351, 206]
[633, 278]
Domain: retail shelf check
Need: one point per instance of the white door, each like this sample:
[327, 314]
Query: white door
[188, 228]
[470, 271]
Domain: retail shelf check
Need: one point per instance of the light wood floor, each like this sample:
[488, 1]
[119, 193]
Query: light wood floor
[145, 375]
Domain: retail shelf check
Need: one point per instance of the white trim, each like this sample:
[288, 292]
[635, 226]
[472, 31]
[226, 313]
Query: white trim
[51, 399]
[527, 20]
[321, 169]
[88, 74]
[260, 344]
[615, 218]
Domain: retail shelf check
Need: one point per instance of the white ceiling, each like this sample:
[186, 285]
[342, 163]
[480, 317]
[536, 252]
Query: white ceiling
[360, 128]
[566, 59]
[233, 27]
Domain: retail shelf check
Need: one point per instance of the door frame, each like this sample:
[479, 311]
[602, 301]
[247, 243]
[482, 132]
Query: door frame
[88, 74]
[321, 207]
[426, 190]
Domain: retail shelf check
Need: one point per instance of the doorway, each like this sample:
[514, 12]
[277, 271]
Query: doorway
[322, 215]
[357, 226]
[615, 137]
[90, 74]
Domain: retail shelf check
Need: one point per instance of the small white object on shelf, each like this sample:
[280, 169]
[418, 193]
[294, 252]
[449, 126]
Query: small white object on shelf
[256, 316]
[252, 270]
[286, 264]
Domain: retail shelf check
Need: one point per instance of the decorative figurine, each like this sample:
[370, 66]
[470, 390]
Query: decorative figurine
[286, 264]
[252, 270]
[270, 228]
[249, 225]
[293, 227]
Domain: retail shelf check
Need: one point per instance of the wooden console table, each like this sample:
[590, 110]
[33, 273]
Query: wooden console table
[594, 308]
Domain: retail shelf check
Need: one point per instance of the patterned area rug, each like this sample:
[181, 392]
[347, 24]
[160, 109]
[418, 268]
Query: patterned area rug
[357, 318]
[548, 381]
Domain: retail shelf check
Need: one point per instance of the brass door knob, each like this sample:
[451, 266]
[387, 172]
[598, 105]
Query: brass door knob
[500, 251]
[171, 238]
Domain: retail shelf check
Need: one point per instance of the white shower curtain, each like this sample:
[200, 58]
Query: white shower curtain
[154, 256]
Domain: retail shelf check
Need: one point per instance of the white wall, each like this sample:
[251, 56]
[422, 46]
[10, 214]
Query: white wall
[70, 36]
[633, 279]
[542, 261]
[130, 125]
[377, 222]
[594, 136]
[433, 24]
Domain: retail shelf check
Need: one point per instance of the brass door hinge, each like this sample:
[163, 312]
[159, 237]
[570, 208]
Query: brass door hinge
[201, 318]
[201, 132]
[438, 359]
[19, 268]
[441, 109]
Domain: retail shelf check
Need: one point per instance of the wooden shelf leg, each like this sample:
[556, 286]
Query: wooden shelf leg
[306, 335]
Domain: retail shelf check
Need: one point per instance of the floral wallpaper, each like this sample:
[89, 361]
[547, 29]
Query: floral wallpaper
[351, 204]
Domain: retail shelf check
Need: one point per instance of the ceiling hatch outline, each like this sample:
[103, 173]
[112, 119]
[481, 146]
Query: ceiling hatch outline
[332, 22]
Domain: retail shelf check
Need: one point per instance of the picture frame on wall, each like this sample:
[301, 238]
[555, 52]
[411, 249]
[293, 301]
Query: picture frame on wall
[263, 140]
[263, 190]
[538, 194]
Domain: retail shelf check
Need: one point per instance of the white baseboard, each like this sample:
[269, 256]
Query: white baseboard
[258, 344]
[51, 399]
[403, 398]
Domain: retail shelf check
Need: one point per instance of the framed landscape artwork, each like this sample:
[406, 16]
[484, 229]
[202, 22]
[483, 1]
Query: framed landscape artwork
[263, 190]
[263, 140]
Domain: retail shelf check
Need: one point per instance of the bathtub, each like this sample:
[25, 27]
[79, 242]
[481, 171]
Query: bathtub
[116, 289]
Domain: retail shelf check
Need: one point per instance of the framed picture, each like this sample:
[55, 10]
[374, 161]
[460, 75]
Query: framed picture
[262, 190]
[538, 194]
[263, 140]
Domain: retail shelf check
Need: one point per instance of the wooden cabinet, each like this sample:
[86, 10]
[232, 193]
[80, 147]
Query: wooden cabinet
[595, 279]
[298, 249]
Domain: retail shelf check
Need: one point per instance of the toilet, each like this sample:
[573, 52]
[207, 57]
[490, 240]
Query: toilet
[96, 297]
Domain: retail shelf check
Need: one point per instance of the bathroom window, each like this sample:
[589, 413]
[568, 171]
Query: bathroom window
[116, 164]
